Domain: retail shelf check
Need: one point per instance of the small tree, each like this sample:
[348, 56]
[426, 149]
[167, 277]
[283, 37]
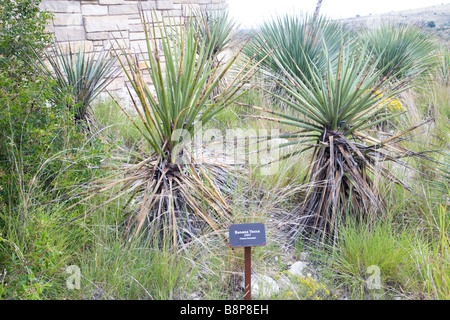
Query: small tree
[22, 30]
[168, 197]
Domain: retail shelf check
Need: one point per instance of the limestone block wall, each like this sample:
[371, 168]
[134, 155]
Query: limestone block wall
[93, 24]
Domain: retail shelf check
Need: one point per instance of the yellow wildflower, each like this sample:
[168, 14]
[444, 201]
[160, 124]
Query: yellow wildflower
[392, 104]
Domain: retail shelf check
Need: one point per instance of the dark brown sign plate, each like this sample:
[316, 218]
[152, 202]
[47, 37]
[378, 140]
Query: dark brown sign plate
[247, 235]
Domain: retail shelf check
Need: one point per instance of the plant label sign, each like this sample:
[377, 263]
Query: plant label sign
[247, 235]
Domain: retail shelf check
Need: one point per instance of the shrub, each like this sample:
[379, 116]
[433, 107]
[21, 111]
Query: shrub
[296, 42]
[25, 122]
[22, 30]
[405, 47]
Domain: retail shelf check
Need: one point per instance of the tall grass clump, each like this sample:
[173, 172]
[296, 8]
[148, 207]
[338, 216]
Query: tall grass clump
[370, 260]
[33, 255]
[137, 270]
[443, 68]
[436, 271]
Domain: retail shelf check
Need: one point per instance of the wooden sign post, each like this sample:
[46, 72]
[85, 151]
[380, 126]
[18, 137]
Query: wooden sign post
[247, 235]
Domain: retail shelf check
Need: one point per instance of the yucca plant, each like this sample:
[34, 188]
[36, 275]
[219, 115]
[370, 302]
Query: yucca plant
[296, 41]
[82, 75]
[169, 195]
[219, 31]
[406, 47]
[334, 113]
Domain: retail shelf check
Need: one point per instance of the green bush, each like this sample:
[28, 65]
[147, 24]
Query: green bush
[25, 122]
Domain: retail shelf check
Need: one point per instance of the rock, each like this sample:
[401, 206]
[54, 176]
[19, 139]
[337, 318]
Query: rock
[94, 10]
[298, 269]
[70, 33]
[61, 6]
[68, 19]
[110, 1]
[164, 5]
[263, 286]
[123, 9]
[195, 296]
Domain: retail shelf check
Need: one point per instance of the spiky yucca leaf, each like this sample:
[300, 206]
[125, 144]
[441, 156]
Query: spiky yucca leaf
[219, 32]
[165, 194]
[83, 75]
[217, 29]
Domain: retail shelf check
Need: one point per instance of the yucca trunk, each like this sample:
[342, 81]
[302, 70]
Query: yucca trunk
[340, 184]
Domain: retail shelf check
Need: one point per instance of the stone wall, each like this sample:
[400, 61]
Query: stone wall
[93, 24]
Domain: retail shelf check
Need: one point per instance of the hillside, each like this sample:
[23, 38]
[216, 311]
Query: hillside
[434, 18]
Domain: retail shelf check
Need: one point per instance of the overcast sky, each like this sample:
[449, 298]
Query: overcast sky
[251, 12]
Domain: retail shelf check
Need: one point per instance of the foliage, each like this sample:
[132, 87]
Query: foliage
[365, 250]
[405, 47]
[146, 272]
[38, 141]
[35, 146]
[82, 75]
[32, 256]
[29, 129]
[444, 65]
[333, 113]
[26, 125]
[167, 190]
[22, 32]
[435, 273]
